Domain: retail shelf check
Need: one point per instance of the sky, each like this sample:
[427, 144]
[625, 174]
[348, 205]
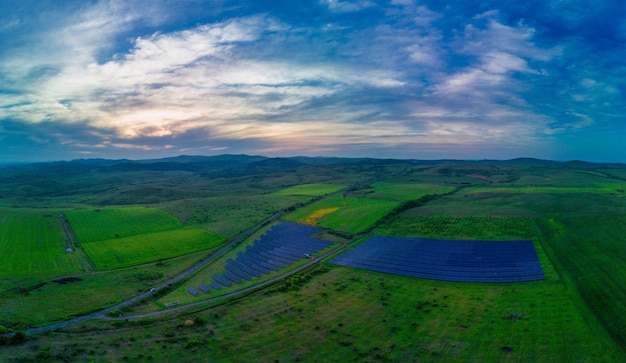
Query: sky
[406, 79]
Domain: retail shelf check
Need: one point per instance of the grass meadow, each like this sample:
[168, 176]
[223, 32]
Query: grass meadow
[573, 212]
[593, 260]
[123, 237]
[402, 192]
[35, 301]
[357, 214]
[230, 214]
[341, 314]
[349, 214]
[149, 247]
[311, 190]
[91, 225]
[32, 243]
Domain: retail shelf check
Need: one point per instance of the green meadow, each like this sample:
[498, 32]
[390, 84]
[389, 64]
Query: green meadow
[312, 190]
[92, 225]
[32, 243]
[149, 247]
[157, 224]
[122, 237]
[351, 214]
[402, 192]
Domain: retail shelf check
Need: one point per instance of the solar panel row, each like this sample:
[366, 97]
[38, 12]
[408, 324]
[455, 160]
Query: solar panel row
[280, 246]
[451, 260]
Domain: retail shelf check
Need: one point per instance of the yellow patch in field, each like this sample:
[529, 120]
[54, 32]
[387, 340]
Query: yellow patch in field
[314, 217]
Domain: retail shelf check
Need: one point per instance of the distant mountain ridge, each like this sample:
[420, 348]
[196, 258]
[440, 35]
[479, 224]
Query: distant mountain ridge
[251, 163]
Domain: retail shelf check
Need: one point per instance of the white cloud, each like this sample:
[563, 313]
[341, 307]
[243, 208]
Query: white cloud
[346, 6]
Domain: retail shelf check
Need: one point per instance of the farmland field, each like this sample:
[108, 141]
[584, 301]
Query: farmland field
[352, 214]
[312, 190]
[461, 228]
[149, 247]
[573, 212]
[33, 244]
[122, 237]
[594, 260]
[103, 224]
[404, 191]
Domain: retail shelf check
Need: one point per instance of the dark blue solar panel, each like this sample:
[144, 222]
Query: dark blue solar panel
[232, 277]
[279, 246]
[244, 268]
[222, 280]
[193, 291]
[238, 272]
[470, 261]
[244, 259]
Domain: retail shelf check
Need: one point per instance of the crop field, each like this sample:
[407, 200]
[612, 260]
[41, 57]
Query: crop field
[33, 244]
[401, 192]
[350, 214]
[149, 247]
[594, 260]
[462, 228]
[122, 237]
[611, 188]
[312, 190]
[92, 225]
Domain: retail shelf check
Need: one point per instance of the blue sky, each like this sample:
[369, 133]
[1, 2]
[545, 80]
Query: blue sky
[391, 79]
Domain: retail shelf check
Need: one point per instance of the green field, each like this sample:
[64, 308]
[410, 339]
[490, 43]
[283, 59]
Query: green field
[122, 237]
[35, 301]
[353, 214]
[149, 247]
[608, 188]
[312, 190]
[463, 228]
[594, 260]
[230, 214]
[132, 213]
[357, 214]
[33, 244]
[92, 225]
[401, 192]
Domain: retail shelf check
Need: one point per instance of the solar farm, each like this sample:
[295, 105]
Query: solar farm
[399, 261]
[279, 247]
[448, 260]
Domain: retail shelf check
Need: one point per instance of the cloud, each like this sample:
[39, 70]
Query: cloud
[345, 6]
[336, 75]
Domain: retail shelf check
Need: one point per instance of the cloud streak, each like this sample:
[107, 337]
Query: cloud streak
[360, 78]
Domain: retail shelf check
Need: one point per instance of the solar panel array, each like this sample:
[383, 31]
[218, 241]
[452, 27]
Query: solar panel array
[280, 246]
[449, 260]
